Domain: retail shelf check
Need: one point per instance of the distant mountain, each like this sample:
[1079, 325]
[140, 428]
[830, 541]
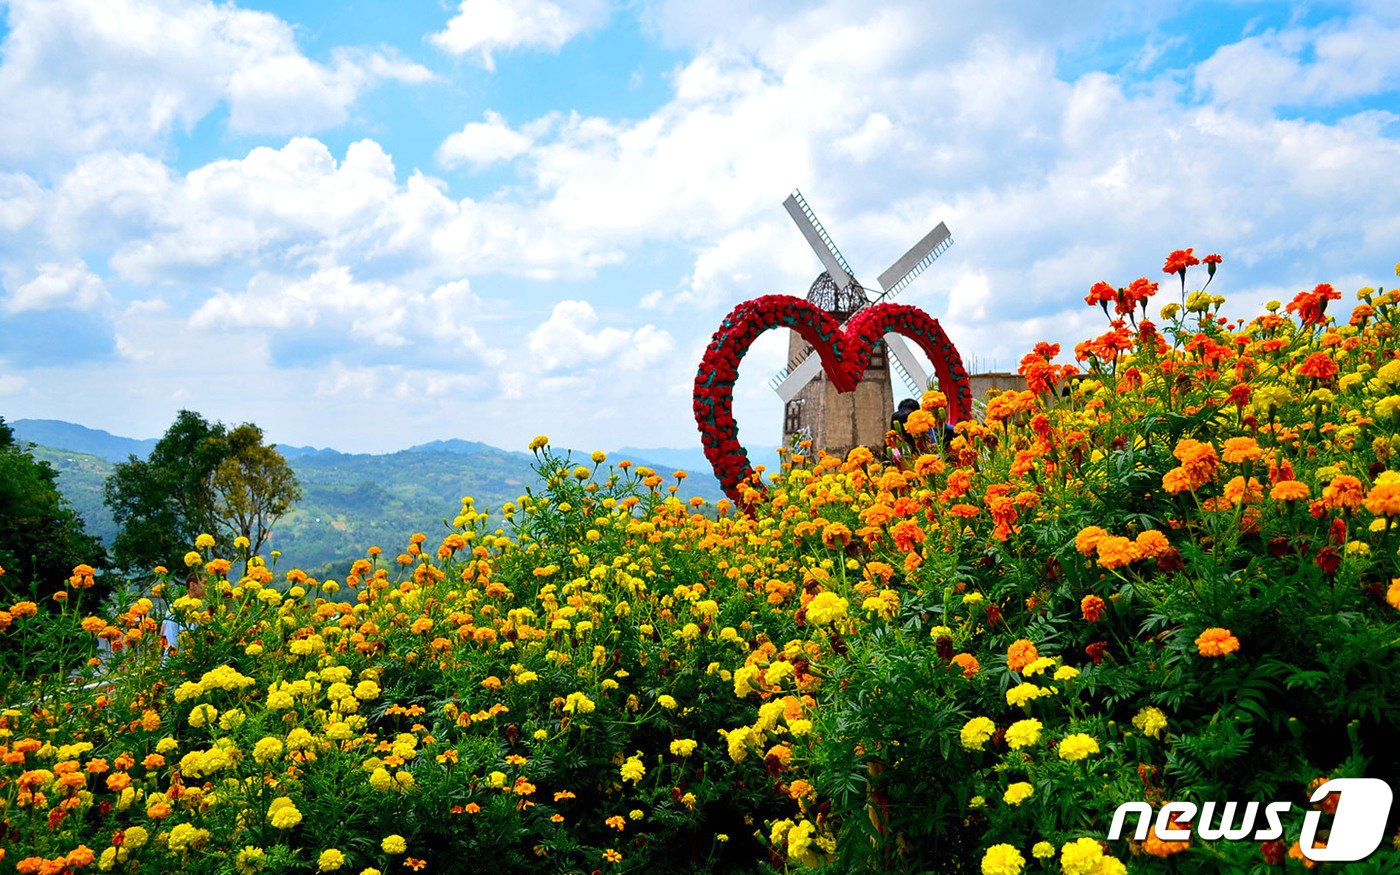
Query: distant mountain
[350, 502]
[692, 459]
[465, 448]
[80, 439]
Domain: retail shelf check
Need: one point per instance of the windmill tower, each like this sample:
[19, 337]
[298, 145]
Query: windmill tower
[813, 410]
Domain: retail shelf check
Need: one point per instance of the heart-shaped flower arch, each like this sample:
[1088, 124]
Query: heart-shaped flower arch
[845, 354]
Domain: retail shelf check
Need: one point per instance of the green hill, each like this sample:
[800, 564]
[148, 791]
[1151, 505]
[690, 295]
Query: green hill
[352, 502]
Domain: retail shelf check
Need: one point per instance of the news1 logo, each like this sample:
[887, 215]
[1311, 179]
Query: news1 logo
[1358, 826]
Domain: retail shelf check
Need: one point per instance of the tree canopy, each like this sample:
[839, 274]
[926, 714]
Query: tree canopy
[41, 537]
[200, 477]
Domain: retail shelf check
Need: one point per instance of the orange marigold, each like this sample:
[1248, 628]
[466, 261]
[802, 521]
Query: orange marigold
[970, 666]
[1343, 492]
[1091, 606]
[1151, 544]
[1020, 654]
[1088, 539]
[1240, 449]
[1384, 499]
[1115, 551]
[1289, 490]
[1217, 642]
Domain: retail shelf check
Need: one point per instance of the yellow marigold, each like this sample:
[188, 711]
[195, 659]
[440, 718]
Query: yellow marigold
[1392, 594]
[204, 541]
[1037, 666]
[1043, 850]
[826, 608]
[1017, 793]
[977, 731]
[394, 844]
[330, 860]
[1216, 642]
[1020, 654]
[1081, 856]
[283, 814]
[539, 441]
[1002, 860]
[1150, 721]
[1077, 746]
[1023, 693]
[633, 770]
[683, 747]
[1023, 733]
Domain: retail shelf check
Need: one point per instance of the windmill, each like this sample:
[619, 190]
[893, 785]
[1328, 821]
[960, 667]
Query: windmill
[813, 409]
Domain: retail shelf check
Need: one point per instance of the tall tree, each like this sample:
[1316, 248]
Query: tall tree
[41, 537]
[200, 477]
[253, 486]
[163, 502]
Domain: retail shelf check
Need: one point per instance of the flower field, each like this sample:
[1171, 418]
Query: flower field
[1167, 573]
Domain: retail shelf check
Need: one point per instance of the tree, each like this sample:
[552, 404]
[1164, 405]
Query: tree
[253, 486]
[41, 537]
[200, 477]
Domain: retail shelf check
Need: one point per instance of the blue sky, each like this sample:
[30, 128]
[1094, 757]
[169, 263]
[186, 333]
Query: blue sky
[374, 224]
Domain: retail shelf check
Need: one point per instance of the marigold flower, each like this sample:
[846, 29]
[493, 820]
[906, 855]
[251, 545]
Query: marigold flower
[1115, 551]
[978, 731]
[1289, 490]
[968, 663]
[826, 608]
[1237, 450]
[1150, 721]
[1002, 859]
[1151, 544]
[1217, 642]
[330, 860]
[1087, 540]
[1077, 746]
[1342, 493]
[1384, 499]
[633, 770]
[1081, 856]
[1017, 793]
[1020, 654]
[1023, 733]
[1091, 606]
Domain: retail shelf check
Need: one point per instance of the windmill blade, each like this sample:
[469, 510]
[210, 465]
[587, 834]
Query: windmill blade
[818, 239]
[915, 261]
[907, 365]
[798, 377]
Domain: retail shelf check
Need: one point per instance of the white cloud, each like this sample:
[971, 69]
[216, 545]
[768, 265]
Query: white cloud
[12, 384]
[483, 143]
[289, 93]
[566, 341]
[486, 26]
[60, 285]
[151, 68]
[1295, 67]
[366, 313]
